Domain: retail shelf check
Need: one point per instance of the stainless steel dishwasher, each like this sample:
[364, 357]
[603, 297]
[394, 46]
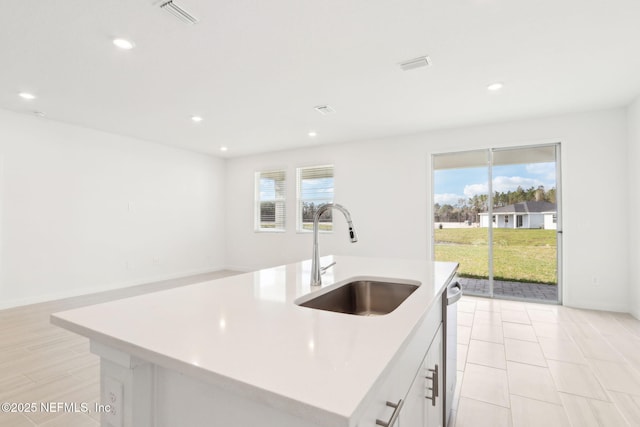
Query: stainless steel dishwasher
[450, 314]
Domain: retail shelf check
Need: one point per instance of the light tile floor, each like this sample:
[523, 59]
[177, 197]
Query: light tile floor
[526, 364]
[40, 362]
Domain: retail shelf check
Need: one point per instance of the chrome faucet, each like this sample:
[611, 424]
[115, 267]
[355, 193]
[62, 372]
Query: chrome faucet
[316, 270]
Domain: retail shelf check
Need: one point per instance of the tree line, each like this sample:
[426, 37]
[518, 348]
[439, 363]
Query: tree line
[468, 209]
[268, 211]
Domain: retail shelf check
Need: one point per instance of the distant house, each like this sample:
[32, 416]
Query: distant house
[522, 215]
[550, 220]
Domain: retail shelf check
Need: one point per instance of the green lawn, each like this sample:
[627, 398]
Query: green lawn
[322, 226]
[519, 255]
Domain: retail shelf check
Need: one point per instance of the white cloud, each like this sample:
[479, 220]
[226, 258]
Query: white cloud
[547, 170]
[502, 184]
[473, 189]
[511, 183]
[448, 198]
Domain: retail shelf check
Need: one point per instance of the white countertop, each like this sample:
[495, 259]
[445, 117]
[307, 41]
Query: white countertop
[246, 333]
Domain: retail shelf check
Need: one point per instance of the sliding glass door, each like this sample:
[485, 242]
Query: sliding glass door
[461, 194]
[497, 213]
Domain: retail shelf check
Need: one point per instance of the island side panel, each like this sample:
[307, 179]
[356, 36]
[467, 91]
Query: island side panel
[182, 400]
[126, 388]
[141, 394]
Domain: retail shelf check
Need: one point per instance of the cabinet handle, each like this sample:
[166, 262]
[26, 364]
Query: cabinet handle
[396, 411]
[434, 386]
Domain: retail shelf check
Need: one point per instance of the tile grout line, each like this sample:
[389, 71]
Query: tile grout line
[573, 317]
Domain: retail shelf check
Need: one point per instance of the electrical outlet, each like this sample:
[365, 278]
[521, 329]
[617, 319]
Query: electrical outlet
[113, 392]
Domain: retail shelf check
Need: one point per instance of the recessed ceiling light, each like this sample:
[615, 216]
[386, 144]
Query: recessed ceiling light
[196, 119]
[223, 148]
[26, 95]
[312, 134]
[123, 44]
[495, 86]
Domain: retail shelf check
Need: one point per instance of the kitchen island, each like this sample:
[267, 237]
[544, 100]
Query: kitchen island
[240, 351]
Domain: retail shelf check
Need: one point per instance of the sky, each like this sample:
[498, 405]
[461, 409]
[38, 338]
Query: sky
[450, 185]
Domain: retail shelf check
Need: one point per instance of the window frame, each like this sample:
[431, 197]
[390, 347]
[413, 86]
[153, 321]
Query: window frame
[299, 221]
[257, 219]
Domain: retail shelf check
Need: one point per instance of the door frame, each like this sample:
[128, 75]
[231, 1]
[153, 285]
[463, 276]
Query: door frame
[559, 217]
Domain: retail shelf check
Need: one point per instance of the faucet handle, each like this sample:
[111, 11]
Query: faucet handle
[324, 269]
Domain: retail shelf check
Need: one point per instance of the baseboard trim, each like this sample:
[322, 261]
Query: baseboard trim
[599, 306]
[240, 268]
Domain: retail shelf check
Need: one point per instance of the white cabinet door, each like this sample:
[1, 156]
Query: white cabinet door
[413, 412]
[434, 392]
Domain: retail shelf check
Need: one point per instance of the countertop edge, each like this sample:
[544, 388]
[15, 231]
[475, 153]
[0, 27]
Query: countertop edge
[321, 416]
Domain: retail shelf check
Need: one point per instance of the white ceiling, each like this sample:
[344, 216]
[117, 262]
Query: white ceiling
[255, 69]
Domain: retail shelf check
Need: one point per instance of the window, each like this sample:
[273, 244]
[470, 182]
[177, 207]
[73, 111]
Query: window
[506, 219]
[315, 188]
[555, 218]
[270, 201]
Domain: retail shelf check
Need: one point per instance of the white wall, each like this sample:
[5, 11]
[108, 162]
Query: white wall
[82, 210]
[633, 117]
[548, 222]
[386, 184]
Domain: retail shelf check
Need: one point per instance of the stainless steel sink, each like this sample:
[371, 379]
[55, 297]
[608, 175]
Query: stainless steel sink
[363, 298]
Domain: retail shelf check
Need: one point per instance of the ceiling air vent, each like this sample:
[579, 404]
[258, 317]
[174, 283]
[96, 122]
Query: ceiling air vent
[178, 12]
[324, 109]
[412, 64]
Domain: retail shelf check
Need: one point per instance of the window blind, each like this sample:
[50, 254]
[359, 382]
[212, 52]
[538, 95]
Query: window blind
[314, 188]
[270, 206]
